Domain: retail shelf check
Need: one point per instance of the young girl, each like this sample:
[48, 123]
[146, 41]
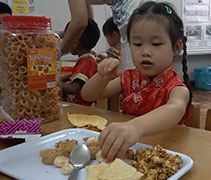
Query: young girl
[153, 91]
[112, 35]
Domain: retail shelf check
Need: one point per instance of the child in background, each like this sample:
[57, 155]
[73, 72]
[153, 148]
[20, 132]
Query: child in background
[4, 10]
[112, 35]
[153, 91]
[121, 11]
[86, 65]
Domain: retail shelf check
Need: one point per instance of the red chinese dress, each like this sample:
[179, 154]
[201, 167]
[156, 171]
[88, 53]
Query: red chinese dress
[142, 95]
[84, 69]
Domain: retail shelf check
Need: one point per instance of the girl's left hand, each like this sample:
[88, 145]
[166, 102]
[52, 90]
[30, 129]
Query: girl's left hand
[116, 138]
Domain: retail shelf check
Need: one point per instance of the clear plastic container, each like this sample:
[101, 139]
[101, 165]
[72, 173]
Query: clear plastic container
[29, 67]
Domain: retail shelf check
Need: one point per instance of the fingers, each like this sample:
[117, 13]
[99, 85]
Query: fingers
[103, 136]
[113, 141]
[108, 144]
[109, 68]
[114, 150]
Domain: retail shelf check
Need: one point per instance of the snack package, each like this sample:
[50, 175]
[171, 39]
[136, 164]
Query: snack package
[24, 129]
[29, 68]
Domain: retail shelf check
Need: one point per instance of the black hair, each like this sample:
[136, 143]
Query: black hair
[165, 14]
[109, 26]
[5, 9]
[90, 36]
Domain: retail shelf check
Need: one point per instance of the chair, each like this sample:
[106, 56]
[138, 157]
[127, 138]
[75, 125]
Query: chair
[111, 104]
[193, 119]
[208, 120]
[102, 104]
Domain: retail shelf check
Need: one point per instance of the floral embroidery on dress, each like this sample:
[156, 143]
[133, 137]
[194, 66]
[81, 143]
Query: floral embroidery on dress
[135, 84]
[144, 82]
[159, 82]
[137, 97]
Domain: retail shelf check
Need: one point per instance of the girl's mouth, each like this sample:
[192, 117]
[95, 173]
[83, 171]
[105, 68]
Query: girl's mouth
[146, 63]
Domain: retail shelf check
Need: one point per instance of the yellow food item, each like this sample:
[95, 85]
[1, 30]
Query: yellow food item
[67, 168]
[49, 155]
[87, 121]
[59, 161]
[117, 170]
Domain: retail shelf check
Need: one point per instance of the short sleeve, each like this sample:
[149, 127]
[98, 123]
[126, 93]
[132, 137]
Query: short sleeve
[84, 69]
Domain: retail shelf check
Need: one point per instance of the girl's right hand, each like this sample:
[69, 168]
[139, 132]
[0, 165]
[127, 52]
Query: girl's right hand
[109, 68]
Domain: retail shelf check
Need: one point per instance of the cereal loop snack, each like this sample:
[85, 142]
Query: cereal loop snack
[29, 67]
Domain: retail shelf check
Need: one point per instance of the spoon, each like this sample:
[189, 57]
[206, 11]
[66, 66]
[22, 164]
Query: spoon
[79, 157]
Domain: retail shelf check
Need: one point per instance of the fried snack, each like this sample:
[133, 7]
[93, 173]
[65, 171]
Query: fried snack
[99, 156]
[155, 163]
[67, 168]
[93, 145]
[90, 140]
[117, 170]
[87, 121]
[49, 155]
[63, 148]
[67, 146]
[14, 66]
[93, 148]
[59, 161]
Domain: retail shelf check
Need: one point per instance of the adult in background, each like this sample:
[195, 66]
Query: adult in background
[79, 18]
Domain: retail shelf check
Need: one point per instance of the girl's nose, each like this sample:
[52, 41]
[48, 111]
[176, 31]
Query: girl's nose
[146, 54]
[146, 51]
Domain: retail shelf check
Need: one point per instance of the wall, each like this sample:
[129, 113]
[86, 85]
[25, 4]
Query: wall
[58, 10]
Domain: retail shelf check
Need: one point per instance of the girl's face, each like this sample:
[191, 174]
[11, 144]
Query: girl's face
[113, 39]
[151, 47]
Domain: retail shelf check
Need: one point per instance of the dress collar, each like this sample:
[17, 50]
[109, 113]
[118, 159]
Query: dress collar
[86, 55]
[160, 79]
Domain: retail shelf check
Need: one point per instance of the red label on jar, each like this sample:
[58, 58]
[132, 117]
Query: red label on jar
[41, 66]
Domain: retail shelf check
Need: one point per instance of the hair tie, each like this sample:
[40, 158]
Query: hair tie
[169, 11]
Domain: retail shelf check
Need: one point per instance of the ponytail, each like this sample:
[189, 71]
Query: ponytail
[185, 68]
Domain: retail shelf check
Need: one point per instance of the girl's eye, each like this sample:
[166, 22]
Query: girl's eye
[157, 44]
[137, 44]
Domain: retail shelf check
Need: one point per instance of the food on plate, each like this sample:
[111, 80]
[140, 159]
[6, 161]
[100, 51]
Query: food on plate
[99, 157]
[93, 148]
[145, 164]
[155, 163]
[117, 170]
[59, 161]
[67, 147]
[93, 122]
[48, 155]
[63, 148]
[93, 145]
[90, 140]
[67, 168]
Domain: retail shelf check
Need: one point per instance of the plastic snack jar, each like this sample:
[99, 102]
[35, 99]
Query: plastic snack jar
[29, 67]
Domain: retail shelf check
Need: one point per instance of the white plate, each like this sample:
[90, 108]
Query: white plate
[24, 161]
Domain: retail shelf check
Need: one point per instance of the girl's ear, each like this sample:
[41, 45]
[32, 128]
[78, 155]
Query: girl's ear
[178, 47]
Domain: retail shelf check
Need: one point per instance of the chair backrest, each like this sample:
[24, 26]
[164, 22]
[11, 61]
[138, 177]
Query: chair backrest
[208, 120]
[194, 116]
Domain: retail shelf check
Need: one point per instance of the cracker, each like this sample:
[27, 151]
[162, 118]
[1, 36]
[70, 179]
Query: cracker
[117, 170]
[87, 121]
